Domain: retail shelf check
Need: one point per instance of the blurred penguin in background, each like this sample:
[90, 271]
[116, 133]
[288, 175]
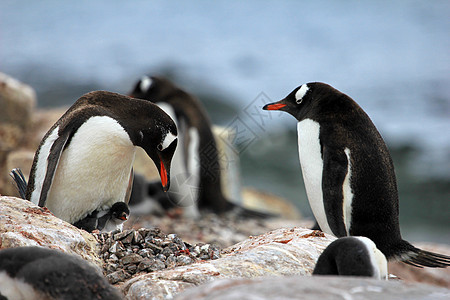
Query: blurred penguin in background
[196, 173]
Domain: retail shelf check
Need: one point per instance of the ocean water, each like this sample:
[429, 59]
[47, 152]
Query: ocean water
[392, 57]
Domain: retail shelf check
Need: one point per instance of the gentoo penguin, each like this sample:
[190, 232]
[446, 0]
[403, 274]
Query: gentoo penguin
[41, 273]
[196, 168]
[84, 162]
[348, 172]
[352, 256]
[107, 220]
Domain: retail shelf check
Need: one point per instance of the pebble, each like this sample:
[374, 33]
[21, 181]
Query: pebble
[147, 250]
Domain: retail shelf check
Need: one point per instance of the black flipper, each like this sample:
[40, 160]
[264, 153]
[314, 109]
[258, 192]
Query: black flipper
[52, 164]
[335, 166]
[19, 179]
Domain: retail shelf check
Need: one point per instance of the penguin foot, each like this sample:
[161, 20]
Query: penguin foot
[21, 183]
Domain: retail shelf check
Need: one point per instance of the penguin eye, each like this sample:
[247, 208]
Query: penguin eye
[159, 147]
[298, 101]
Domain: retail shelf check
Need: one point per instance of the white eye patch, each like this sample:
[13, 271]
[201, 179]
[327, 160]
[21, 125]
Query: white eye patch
[145, 84]
[168, 139]
[301, 93]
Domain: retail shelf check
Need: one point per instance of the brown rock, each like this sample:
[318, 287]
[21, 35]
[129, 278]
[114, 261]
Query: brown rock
[24, 224]
[17, 101]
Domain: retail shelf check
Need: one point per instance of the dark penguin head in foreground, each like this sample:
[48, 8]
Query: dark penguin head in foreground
[84, 162]
[352, 256]
[41, 273]
[348, 172]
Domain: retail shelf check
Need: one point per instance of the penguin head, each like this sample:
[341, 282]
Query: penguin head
[301, 100]
[120, 211]
[153, 88]
[159, 141]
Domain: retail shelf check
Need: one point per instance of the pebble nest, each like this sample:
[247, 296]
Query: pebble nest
[145, 250]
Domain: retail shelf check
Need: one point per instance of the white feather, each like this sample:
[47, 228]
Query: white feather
[301, 93]
[14, 288]
[312, 168]
[93, 171]
[41, 166]
[377, 258]
[146, 83]
[348, 194]
[168, 139]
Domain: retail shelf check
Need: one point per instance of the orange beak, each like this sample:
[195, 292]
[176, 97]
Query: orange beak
[123, 217]
[275, 106]
[164, 179]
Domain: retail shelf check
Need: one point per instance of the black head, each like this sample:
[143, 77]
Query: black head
[301, 101]
[153, 88]
[159, 140]
[120, 211]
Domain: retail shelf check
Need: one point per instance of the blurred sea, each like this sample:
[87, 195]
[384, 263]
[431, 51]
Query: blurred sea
[392, 57]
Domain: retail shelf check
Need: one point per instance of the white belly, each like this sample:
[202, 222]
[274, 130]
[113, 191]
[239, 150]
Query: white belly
[312, 168]
[93, 172]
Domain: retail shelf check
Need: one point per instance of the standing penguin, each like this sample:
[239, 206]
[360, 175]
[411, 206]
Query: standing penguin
[196, 167]
[84, 162]
[352, 256]
[41, 273]
[348, 172]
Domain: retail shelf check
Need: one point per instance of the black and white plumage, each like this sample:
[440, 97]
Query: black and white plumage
[196, 176]
[84, 162]
[352, 256]
[106, 220]
[41, 273]
[348, 171]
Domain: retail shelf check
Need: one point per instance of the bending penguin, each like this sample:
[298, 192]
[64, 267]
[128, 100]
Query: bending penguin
[352, 256]
[41, 273]
[84, 162]
[196, 178]
[348, 172]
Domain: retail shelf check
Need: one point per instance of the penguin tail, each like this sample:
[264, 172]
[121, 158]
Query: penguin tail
[420, 258]
[21, 183]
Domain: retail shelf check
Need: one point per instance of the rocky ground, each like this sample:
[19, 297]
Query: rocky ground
[151, 243]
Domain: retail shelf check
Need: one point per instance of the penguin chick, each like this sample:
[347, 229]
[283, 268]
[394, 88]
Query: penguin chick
[41, 273]
[352, 256]
[348, 171]
[107, 220]
[84, 162]
[114, 218]
[196, 172]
